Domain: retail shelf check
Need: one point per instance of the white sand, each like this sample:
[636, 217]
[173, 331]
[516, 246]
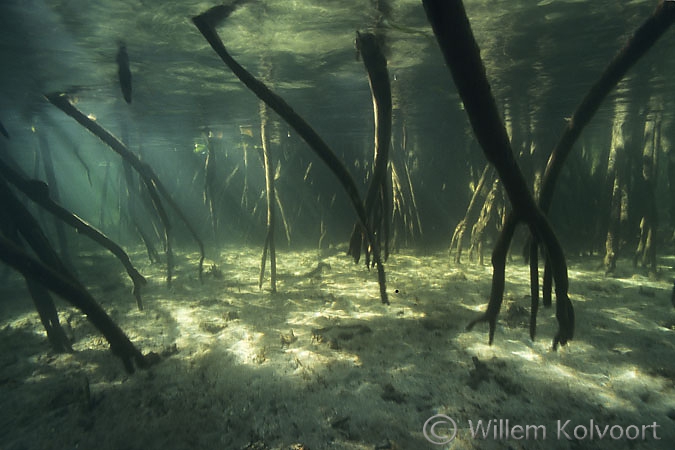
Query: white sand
[323, 364]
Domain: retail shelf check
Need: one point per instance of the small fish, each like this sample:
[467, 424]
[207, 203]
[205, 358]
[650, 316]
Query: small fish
[246, 130]
[124, 72]
[3, 131]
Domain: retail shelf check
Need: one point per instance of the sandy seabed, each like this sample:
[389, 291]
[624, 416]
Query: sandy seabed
[322, 364]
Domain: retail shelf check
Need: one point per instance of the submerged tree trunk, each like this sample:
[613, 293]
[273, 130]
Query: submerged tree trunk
[489, 212]
[377, 202]
[471, 215]
[616, 170]
[270, 197]
[669, 151]
[50, 174]
[138, 225]
[405, 217]
[211, 189]
[18, 224]
[44, 304]
[645, 253]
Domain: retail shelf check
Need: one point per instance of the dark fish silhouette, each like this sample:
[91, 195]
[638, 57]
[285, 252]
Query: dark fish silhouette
[124, 72]
[3, 131]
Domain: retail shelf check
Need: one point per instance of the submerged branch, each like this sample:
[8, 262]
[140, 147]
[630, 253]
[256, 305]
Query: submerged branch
[644, 38]
[377, 200]
[640, 43]
[150, 179]
[380, 88]
[462, 55]
[205, 23]
[270, 195]
[78, 296]
[39, 193]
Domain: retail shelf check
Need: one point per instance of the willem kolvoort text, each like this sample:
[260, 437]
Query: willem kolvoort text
[502, 429]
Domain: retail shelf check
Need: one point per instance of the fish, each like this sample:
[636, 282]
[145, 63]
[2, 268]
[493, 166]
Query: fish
[4, 131]
[124, 72]
[246, 130]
